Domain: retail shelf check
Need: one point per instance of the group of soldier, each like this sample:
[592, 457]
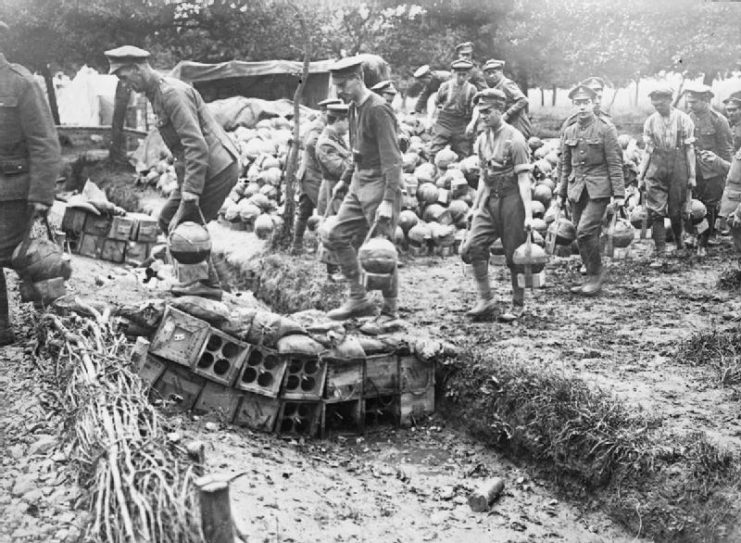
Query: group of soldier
[352, 167]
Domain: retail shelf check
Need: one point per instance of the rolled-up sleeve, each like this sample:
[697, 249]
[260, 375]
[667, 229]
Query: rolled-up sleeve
[42, 143]
[183, 114]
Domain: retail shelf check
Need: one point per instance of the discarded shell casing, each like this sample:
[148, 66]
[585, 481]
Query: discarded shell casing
[482, 498]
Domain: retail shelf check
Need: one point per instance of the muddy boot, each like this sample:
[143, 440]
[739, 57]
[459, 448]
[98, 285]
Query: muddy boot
[356, 306]
[198, 288]
[485, 306]
[388, 321]
[6, 332]
[593, 286]
[517, 308]
[658, 233]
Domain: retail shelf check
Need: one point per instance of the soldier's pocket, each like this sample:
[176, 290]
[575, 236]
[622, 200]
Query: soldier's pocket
[572, 144]
[9, 120]
[595, 152]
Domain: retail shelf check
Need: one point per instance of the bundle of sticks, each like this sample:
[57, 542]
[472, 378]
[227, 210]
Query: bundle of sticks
[140, 486]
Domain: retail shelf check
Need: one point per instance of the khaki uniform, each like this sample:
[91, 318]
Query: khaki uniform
[516, 113]
[206, 159]
[736, 136]
[438, 77]
[455, 105]
[592, 172]
[333, 157]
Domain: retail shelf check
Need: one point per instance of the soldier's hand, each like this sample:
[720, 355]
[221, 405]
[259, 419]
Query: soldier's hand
[385, 211]
[189, 197]
[528, 223]
[692, 182]
[470, 130]
[338, 189]
[38, 209]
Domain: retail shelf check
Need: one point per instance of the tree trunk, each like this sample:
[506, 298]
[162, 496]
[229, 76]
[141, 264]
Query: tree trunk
[635, 98]
[542, 97]
[118, 139]
[553, 97]
[46, 73]
[283, 238]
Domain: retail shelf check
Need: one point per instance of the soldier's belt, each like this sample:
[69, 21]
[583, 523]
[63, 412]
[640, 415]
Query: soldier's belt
[14, 166]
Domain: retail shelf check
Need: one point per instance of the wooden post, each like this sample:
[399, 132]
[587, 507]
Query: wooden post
[51, 93]
[553, 98]
[216, 513]
[482, 498]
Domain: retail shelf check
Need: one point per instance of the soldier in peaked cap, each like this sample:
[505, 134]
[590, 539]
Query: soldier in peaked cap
[29, 164]
[516, 113]
[464, 51]
[667, 169]
[206, 159]
[733, 113]
[309, 175]
[591, 174]
[597, 84]
[386, 90]
[713, 134]
[501, 209]
[454, 111]
[374, 185]
[432, 79]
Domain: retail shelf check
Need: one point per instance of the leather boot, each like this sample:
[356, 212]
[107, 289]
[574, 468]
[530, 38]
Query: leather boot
[388, 321]
[485, 306]
[6, 332]
[658, 233]
[356, 306]
[198, 288]
[517, 308]
[593, 286]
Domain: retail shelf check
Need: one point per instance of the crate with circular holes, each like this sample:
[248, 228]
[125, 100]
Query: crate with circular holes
[262, 372]
[299, 418]
[304, 377]
[221, 358]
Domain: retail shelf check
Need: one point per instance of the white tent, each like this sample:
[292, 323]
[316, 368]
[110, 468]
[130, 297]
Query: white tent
[87, 100]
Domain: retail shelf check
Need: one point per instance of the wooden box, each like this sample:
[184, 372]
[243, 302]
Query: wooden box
[304, 378]
[344, 380]
[90, 245]
[381, 375]
[299, 418]
[415, 375]
[415, 405]
[113, 250]
[262, 372]
[219, 400]
[380, 411]
[180, 337]
[257, 412]
[98, 225]
[146, 228]
[151, 370]
[136, 252]
[73, 220]
[178, 389]
[342, 418]
[221, 358]
[121, 228]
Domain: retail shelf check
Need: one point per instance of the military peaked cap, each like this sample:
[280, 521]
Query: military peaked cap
[347, 67]
[384, 86]
[662, 91]
[734, 97]
[124, 56]
[422, 71]
[324, 104]
[582, 92]
[493, 64]
[338, 109]
[701, 92]
[465, 46]
[489, 97]
[594, 83]
[461, 65]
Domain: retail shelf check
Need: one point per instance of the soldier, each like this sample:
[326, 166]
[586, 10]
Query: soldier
[386, 90]
[712, 133]
[733, 112]
[667, 169]
[432, 79]
[206, 159]
[374, 193]
[29, 164]
[464, 51]
[501, 207]
[455, 110]
[592, 172]
[597, 84]
[517, 104]
[309, 176]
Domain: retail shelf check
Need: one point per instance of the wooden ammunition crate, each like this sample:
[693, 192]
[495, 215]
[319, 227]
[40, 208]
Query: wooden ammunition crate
[98, 225]
[304, 378]
[146, 228]
[262, 372]
[342, 418]
[151, 370]
[415, 405]
[219, 400]
[381, 375]
[180, 337]
[344, 380]
[299, 418]
[137, 252]
[121, 228]
[415, 374]
[73, 220]
[221, 358]
[177, 389]
[90, 245]
[257, 412]
[113, 250]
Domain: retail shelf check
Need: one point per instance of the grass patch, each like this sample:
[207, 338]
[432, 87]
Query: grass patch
[598, 448]
[719, 350]
[730, 279]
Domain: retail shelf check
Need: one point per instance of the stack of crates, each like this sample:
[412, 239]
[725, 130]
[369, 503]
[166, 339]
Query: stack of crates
[121, 239]
[192, 366]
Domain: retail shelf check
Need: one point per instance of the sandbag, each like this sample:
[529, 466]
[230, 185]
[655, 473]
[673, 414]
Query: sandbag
[299, 344]
[267, 328]
[213, 312]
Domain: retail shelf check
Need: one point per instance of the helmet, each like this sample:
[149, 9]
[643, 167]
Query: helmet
[190, 243]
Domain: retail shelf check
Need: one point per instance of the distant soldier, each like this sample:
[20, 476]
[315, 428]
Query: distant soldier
[431, 79]
[501, 208]
[592, 172]
[374, 192]
[454, 111]
[516, 113]
[464, 51]
[667, 169]
[309, 176]
[733, 112]
[386, 90]
[712, 133]
[29, 164]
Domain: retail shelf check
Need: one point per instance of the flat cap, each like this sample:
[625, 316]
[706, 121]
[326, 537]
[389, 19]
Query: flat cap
[582, 92]
[702, 92]
[422, 71]
[594, 83]
[734, 97]
[338, 109]
[346, 67]
[489, 97]
[124, 56]
[662, 91]
[465, 46]
[461, 65]
[384, 87]
[325, 103]
[493, 64]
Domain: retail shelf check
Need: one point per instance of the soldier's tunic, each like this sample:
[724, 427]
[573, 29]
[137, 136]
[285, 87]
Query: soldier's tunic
[730, 202]
[333, 157]
[375, 176]
[667, 173]
[736, 136]
[712, 133]
[455, 105]
[501, 213]
[309, 176]
[206, 159]
[592, 173]
[516, 112]
[29, 153]
[438, 77]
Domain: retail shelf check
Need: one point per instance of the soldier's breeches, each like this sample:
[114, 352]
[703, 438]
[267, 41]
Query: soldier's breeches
[588, 215]
[457, 140]
[13, 223]
[214, 193]
[666, 183]
[499, 218]
[303, 211]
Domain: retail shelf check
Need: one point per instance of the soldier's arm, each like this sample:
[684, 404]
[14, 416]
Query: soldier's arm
[183, 115]
[564, 168]
[384, 125]
[649, 148]
[724, 139]
[614, 159]
[332, 160]
[42, 143]
[519, 98]
[522, 167]
[690, 151]
[421, 104]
